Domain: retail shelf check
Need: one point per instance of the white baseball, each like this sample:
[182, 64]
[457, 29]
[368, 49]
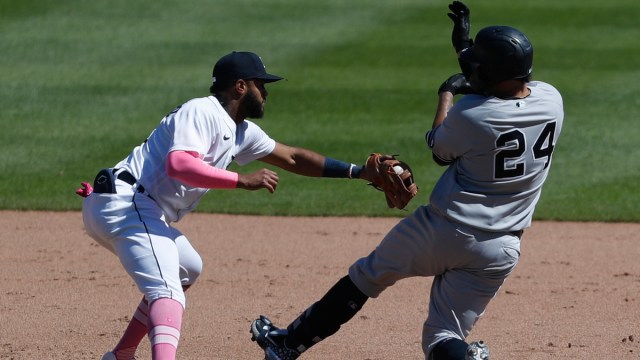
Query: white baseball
[398, 169]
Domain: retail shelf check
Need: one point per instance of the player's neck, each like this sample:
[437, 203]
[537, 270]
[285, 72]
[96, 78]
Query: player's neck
[232, 108]
[511, 89]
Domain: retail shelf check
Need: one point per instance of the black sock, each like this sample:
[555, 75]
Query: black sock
[325, 317]
[450, 349]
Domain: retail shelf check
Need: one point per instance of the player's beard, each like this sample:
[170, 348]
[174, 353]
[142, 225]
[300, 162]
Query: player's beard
[253, 106]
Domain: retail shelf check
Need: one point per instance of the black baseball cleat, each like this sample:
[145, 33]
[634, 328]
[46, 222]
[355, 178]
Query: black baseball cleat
[271, 340]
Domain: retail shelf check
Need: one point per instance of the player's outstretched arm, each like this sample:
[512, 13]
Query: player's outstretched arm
[307, 162]
[384, 172]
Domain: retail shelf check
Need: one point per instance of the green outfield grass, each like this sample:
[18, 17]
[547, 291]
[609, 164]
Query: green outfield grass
[85, 81]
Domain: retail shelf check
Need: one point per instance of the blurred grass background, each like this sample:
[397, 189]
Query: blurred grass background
[83, 82]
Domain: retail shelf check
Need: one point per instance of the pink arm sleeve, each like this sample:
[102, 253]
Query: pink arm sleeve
[187, 167]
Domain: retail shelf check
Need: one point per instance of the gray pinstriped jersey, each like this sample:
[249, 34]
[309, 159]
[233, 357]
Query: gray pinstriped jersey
[500, 153]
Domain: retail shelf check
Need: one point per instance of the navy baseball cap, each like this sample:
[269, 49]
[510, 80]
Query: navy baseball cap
[240, 65]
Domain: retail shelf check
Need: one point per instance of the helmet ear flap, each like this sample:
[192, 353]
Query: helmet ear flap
[470, 66]
[467, 67]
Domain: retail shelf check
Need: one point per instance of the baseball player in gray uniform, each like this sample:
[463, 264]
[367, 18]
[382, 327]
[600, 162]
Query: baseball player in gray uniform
[133, 205]
[497, 143]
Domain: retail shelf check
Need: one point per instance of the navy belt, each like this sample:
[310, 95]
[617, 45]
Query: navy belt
[129, 179]
[104, 181]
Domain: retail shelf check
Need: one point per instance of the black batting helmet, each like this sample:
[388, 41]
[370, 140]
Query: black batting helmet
[498, 53]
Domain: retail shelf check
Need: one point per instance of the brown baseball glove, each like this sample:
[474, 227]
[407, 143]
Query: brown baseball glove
[393, 177]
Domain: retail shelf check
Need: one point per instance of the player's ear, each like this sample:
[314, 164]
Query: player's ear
[241, 86]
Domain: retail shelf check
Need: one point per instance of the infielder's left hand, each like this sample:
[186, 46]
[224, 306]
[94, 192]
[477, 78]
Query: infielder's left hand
[391, 176]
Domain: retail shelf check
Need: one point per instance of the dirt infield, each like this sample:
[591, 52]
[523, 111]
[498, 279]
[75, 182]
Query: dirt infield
[574, 295]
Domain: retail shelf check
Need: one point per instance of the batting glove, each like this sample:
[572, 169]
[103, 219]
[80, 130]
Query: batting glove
[461, 25]
[456, 84]
[85, 190]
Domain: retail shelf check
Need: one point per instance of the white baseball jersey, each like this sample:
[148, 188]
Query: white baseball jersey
[501, 152]
[200, 125]
[136, 225]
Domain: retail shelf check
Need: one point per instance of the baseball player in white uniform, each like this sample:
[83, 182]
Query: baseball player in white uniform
[497, 142]
[130, 208]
